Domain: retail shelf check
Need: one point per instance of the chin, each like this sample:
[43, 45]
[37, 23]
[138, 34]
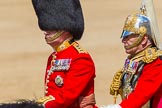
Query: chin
[129, 52]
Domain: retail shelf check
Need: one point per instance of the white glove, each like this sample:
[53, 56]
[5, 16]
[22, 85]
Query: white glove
[111, 106]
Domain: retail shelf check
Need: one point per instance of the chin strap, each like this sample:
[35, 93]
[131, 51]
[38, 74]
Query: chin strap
[55, 36]
[136, 43]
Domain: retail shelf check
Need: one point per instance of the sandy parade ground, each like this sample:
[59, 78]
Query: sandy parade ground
[24, 53]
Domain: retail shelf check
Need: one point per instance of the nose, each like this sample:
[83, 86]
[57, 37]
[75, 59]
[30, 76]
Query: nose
[49, 32]
[123, 40]
[45, 33]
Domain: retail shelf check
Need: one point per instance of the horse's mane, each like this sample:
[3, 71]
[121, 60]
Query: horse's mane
[21, 104]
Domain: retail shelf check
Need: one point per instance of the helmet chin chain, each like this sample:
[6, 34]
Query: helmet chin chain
[136, 43]
[55, 36]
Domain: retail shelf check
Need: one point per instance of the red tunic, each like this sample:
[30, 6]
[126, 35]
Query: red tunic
[149, 87]
[68, 85]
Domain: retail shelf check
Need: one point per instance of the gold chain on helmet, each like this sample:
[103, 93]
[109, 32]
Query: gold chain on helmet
[55, 36]
[136, 43]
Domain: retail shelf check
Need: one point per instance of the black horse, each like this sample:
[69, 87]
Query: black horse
[21, 104]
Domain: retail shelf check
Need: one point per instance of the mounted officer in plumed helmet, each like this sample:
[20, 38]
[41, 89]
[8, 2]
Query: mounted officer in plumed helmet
[139, 81]
[70, 71]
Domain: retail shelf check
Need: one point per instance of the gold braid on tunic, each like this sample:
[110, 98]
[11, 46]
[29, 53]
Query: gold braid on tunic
[115, 86]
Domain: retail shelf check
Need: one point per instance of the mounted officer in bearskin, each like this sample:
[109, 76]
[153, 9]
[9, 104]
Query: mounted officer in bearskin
[70, 71]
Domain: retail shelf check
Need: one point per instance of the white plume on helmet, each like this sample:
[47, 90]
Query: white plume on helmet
[150, 12]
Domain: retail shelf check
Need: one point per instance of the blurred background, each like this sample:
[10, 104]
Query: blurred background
[24, 52]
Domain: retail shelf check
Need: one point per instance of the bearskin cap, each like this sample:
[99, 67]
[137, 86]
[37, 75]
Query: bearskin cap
[60, 15]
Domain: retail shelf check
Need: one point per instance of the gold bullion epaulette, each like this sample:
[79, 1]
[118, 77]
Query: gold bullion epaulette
[151, 54]
[79, 48]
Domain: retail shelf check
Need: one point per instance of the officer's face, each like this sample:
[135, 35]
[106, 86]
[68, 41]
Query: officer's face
[128, 41]
[52, 37]
[55, 38]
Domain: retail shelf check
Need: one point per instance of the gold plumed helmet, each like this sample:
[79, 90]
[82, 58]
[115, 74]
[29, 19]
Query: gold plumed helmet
[143, 22]
[136, 24]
